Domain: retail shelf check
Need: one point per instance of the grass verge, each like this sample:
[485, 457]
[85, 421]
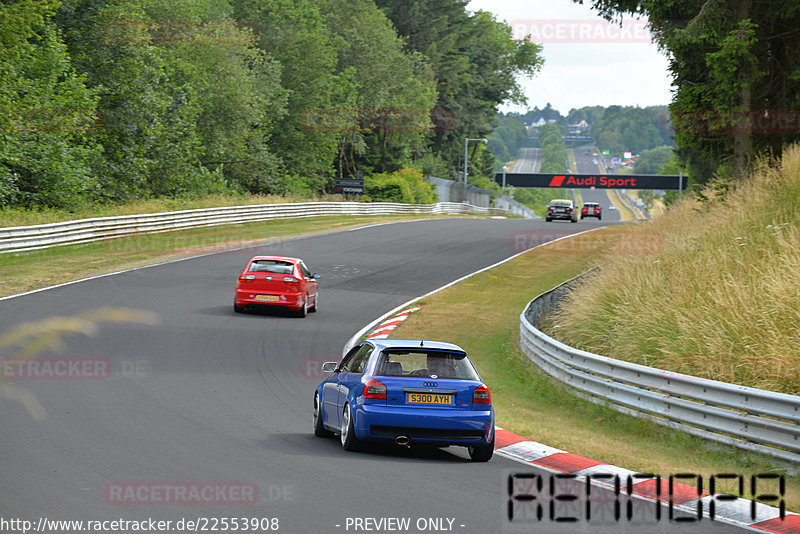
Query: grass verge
[529, 403]
[33, 270]
[625, 213]
[719, 298]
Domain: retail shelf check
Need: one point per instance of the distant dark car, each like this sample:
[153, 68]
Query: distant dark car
[592, 209]
[561, 209]
[270, 281]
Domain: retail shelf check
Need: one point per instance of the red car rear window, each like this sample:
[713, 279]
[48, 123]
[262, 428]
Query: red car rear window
[271, 266]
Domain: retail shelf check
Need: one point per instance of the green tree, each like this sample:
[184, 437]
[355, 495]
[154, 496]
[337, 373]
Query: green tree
[47, 114]
[476, 64]
[554, 151]
[736, 71]
[392, 91]
[653, 160]
[634, 129]
[295, 33]
[508, 137]
[230, 92]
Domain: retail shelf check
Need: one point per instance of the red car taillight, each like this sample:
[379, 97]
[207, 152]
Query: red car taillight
[482, 395]
[290, 279]
[374, 389]
[549, 208]
[247, 278]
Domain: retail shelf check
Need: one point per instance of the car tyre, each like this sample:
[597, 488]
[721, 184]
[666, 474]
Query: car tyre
[303, 311]
[575, 220]
[348, 434]
[482, 453]
[316, 304]
[237, 308]
[548, 219]
[319, 429]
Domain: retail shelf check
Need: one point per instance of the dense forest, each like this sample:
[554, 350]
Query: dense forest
[113, 100]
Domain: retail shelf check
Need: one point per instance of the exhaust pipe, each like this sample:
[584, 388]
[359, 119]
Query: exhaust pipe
[402, 440]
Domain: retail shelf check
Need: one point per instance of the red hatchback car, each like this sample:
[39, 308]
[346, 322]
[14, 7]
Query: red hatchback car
[277, 281]
[592, 209]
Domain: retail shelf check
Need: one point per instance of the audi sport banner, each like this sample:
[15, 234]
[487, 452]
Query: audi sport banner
[598, 181]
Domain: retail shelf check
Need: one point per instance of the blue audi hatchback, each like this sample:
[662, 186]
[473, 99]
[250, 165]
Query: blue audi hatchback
[406, 391]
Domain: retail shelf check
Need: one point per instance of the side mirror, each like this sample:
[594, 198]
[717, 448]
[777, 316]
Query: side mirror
[328, 367]
[315, 276]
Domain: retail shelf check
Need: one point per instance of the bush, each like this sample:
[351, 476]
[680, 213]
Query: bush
[406, 186]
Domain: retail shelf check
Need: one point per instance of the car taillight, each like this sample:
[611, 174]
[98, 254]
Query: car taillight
[374, 389]
[549, 208]
[247, 278]
[481, 395]
[289, 279]
[569, 210]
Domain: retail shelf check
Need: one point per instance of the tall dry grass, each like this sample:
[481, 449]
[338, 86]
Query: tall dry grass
[719, 298]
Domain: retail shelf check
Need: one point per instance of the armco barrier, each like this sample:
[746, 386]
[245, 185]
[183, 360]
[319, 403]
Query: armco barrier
[749, 418]
[455, 191]
[25, 238]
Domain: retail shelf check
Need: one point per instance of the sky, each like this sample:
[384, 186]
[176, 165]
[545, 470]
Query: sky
[587, 62]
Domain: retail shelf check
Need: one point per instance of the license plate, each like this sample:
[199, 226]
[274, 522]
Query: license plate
[268, 298]
[429, 398]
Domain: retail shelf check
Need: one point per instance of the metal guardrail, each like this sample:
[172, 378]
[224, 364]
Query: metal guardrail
[454, 191]
[26, 238]
[749, 418]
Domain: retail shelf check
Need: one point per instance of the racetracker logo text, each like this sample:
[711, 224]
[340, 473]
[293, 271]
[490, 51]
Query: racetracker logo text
[580, 31]
[55, 368]
[204, 493]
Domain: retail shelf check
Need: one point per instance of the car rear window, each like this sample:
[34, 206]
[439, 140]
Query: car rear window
[271, 266]
[440, 364]
[560, 203]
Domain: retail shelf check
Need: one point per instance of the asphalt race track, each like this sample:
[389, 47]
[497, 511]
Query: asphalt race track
[586, 166]
[206, 396]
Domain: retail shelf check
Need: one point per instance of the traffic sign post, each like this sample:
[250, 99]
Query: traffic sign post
[350, 185]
